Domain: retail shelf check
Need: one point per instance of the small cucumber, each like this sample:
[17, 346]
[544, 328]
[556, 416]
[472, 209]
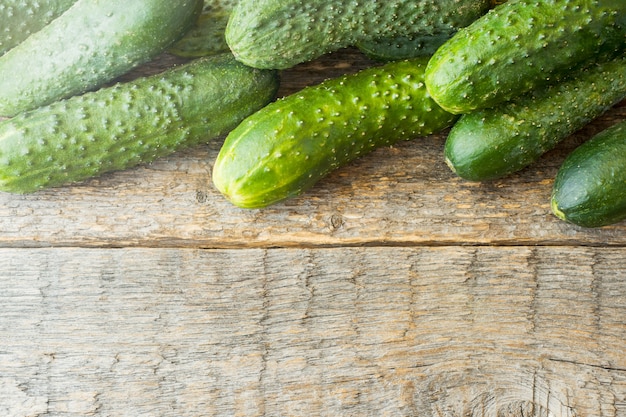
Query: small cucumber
[492, 143]
[92, 43]
[286, 147]
[22, 18]
[129, 123]
[282, 33]
[523, 45]
[207, 36]
[589, 188]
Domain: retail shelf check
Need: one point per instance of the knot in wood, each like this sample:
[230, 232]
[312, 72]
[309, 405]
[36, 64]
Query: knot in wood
[336, 221]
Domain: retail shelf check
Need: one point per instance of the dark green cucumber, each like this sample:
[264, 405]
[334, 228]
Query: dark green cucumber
[523, 45]
[286, 147]
[207, 36]
[415, 44]
[92, 43]
[590, 187]
[128, 124]
[22, 18]
[404, 47]
[492, 143]
[282, 33]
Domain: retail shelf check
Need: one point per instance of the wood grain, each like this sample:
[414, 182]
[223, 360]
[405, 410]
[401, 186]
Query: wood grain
[454, 331]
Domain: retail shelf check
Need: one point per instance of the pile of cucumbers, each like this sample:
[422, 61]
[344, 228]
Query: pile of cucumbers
[508, 79]
[67, 123]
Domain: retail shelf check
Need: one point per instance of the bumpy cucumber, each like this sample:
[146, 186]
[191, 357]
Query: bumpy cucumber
[22, 18]
[415, 44]
[286, 147]
[589, 186]
[131, 123]
[282, 33]
[207, 36]
[492, 143]
[522, 45]
[404, 47]
[93, 42]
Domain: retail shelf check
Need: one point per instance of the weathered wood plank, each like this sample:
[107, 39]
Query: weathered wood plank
[403, 195]
[441, 331]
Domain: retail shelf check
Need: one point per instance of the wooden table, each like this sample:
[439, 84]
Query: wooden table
[392, 288]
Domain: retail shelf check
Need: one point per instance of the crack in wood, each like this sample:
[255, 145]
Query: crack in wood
[590, 365]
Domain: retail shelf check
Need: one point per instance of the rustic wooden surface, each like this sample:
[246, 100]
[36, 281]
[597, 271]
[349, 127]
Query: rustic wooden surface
[391, 289]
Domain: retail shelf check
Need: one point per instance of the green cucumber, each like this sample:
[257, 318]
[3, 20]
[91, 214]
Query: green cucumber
[286, 147]
[416, 44]
[282, 33]
[523, 45]
[90, 44]
[404, 47]
[207, 36]
[129, 123]
[491, 143]
[22, 18]
[589, 187]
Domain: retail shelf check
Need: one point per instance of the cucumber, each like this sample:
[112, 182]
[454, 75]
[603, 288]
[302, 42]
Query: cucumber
[415, 44]
[523, 45]
[92, 43]
[286, 147]
[404, 47]
[491, 143]
[129, 123]
[22, 18]
[282, 33]
[589, 187]
[207, 36]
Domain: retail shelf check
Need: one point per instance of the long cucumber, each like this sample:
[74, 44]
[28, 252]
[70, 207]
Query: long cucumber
[286, 147]
[22, 18]
[282, 33]
[589, 187]
[523, 45]
[92, 43]
[492, 143]
[128, 124]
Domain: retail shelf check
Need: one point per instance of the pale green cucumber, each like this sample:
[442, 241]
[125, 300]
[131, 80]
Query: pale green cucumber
[128, 124]
[207, 36]
[282, 33]
[285, 148]
[491, 143]
[523, 45]
[22, 18]
[90, 44]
